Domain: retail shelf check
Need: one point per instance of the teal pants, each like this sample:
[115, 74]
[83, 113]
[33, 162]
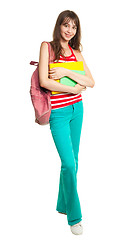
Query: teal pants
[65, 125]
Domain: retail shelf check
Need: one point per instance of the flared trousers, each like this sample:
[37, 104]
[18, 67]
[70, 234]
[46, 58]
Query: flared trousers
[65, 125]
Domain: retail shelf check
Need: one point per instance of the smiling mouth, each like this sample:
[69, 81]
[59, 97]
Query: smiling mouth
[68, 35]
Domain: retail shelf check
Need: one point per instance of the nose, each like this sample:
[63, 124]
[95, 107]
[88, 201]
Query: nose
[69, 29]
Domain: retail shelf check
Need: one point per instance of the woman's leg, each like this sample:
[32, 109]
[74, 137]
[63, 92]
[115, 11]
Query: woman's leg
[68, 197]
[61, 206]
[75, 128]
[75, 131]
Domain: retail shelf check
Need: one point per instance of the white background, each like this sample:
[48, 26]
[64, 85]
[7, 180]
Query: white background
[30, 164]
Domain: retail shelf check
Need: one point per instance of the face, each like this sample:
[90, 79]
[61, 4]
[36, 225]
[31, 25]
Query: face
[68, 30]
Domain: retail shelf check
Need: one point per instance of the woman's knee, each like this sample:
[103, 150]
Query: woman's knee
[69, 167]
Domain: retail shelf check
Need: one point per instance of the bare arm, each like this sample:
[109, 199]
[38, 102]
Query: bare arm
[81, 79]
[48, 83]
[85, 80]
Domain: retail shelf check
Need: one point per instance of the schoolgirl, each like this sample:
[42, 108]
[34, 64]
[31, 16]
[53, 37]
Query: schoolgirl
[66, 110]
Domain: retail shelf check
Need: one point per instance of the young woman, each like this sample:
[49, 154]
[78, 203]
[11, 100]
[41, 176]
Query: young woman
[66, 110]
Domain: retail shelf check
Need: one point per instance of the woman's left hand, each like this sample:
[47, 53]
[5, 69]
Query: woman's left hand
[57, 73]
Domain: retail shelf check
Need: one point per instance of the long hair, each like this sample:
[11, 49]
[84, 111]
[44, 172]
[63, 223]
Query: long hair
[65, 17]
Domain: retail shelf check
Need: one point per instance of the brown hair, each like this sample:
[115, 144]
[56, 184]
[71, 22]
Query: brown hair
[66, 16]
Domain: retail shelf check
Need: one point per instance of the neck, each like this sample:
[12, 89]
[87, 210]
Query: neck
[64, 44]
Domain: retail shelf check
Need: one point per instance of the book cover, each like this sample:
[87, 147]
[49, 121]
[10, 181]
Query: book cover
[74, 66]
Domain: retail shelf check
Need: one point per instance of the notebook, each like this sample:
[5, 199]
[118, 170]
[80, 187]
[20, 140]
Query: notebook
[73, 66]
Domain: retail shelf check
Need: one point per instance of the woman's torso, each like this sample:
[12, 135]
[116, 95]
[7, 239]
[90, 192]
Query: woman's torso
[64, 99]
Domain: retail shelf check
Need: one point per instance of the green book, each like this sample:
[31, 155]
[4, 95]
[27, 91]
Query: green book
[68, 81]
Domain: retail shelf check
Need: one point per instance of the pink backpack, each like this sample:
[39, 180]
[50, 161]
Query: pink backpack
[40, 96]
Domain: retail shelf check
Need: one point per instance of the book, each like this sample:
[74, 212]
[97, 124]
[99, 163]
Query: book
[73, 66]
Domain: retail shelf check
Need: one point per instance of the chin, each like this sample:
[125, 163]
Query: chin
[68, 38]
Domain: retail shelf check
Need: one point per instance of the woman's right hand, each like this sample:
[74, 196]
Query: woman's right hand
[78, 88]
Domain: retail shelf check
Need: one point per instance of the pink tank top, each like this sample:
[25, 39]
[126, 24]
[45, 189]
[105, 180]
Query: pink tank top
[64, 99]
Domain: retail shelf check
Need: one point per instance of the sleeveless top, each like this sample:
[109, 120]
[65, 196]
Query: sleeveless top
[64, 99]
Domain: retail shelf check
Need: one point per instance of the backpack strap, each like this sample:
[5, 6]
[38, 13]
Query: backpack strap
[49, 49]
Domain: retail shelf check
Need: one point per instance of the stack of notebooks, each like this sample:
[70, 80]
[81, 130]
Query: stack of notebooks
[73, 66]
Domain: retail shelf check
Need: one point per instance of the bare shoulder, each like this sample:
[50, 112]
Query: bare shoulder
[44, 54]
[44, 46]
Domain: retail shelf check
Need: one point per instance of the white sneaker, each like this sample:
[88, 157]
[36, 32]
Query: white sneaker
[77, 228]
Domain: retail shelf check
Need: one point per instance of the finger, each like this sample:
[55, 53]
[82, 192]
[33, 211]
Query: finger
[51, 71]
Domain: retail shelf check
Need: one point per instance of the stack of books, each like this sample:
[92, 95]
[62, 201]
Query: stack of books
[73, 66]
